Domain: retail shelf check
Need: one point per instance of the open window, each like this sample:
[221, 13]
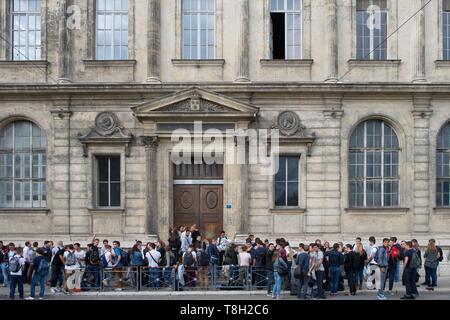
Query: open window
[285, 29]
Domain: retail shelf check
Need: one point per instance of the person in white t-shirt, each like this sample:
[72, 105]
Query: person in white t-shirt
[153, 258]
[109, 259]
[245, 261]
[373, 265]
[80, 255]
[16, 278]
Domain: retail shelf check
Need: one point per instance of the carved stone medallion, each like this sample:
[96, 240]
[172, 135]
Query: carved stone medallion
[288, 122]
[211, 200]
[106, 123]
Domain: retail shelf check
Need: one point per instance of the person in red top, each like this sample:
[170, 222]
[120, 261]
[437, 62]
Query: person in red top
[393, 255]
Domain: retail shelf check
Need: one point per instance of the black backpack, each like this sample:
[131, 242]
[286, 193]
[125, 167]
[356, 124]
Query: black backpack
[188, 259]
[203, 259]
[261, 258]
[95, 256]
[441, 254]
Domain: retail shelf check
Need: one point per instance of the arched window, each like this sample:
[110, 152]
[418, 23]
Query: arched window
[23, 166]
[443, 168]
[373, 166]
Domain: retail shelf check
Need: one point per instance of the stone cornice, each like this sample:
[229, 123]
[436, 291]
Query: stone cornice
[227, 87]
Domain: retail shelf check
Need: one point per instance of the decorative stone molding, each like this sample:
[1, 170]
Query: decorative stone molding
[292, 131]
[107, 130]
[151, 142]
[199, 62]
[61, 114]
[374, 63]
[302, 63]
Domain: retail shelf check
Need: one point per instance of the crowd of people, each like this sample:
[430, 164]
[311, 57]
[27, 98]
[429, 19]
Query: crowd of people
[308, 271]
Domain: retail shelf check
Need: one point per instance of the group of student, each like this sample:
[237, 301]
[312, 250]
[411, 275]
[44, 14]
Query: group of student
[308, 271]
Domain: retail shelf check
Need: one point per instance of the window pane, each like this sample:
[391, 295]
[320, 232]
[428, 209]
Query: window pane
[280, 194]
[103, 195]
[281, 174]
[292, 194]
[115, 195]
[103, 169]
[292, 168]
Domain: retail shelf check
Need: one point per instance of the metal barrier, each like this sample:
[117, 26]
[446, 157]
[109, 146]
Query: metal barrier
[259, 278]
[231, 277]
[123, 279]
[192, 278]
[91, 278]
[162, 278]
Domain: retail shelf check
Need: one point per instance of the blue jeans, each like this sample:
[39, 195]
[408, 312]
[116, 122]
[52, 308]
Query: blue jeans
[360, 276]
[38, 278]
[276, 291]
[431, 276]
[5, 274]
[95, 272]
[334, 277]
[15, 281]
[155, 274]
[289, 264]
[167, 276]
[302, 287]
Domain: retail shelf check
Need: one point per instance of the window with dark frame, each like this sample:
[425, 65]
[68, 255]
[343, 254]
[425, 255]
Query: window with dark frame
[287, 182]
[443, 168]
[286, 29]
[374, 176]
[371, 29]
[108, 181]
[446, 29]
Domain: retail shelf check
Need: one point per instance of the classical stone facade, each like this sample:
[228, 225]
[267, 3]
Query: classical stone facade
[91, 108]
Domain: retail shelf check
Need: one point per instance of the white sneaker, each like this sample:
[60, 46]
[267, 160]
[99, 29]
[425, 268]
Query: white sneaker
[118, 289]
[41, 298]
[29, 298]
[53, 290]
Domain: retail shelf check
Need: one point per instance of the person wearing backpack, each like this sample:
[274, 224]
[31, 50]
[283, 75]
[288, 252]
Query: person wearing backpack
[260, 264]
[16, 266]
[189, 265]
[203, 263]
[411, 262]
[335, 260]
[416, 246]
[319, 270]
[301, 271]
[70, 266]
[120, 260]
[280, 268]
[39, 269]
[431, 263]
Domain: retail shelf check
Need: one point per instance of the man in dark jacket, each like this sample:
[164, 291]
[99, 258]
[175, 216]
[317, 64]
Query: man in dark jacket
[269, 268]
[335, 260]
[302, 262]
[349, 266]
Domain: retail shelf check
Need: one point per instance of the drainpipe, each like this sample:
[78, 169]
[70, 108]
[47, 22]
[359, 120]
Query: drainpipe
[69, 198]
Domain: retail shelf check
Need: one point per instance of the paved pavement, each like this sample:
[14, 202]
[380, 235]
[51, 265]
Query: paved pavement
[440, 293]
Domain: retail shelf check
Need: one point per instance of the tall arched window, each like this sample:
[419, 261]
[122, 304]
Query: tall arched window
[373, 166]
[23, 166]
[443, 168]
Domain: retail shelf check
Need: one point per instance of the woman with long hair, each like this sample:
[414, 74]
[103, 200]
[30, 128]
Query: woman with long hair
[137, 261]
[279, 271]
[361, 255]
[431, 263]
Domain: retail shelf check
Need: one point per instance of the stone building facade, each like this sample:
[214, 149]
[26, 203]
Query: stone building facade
[112, 110]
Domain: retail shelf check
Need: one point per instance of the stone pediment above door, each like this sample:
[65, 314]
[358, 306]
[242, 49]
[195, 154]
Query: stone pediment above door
[195, 104]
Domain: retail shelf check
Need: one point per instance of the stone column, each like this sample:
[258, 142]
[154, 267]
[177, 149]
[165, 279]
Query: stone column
[419, 43]
[59, 180]
[331, 40]
[154, 40]
[421, 192]
[151, 146]
[243, 72]
[64, 46]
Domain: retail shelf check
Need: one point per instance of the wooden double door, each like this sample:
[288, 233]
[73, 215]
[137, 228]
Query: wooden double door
[201, 205]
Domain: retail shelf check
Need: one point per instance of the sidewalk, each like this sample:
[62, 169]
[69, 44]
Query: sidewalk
[443, 288]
